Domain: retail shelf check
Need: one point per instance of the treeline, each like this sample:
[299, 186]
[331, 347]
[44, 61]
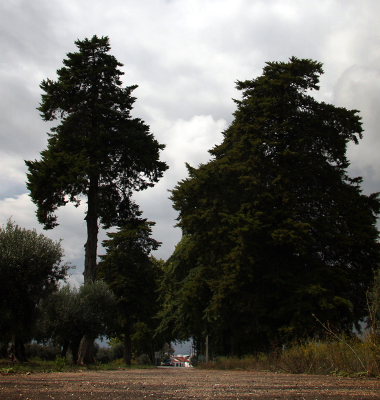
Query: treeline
[278, 240]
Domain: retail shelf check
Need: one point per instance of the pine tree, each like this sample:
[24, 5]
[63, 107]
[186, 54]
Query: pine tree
[98, 150]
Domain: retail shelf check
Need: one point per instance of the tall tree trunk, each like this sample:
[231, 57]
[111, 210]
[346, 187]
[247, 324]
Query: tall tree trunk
[91, 246]
[152, 353]
[85, 353]
[207, 350]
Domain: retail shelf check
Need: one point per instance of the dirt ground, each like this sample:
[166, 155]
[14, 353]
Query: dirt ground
[183, 383]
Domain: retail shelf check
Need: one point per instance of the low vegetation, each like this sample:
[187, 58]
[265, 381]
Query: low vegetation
[345, 357]
[36, 365]
[44, 359]
[47, 358]
[352, 357]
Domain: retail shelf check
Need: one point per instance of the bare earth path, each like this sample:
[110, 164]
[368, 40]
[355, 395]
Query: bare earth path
[183, 383]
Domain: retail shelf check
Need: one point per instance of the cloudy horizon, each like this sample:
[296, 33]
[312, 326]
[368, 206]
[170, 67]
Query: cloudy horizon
[185, 56]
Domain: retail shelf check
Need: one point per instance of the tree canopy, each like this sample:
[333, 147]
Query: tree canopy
[30, 269]
[98, 151]
[277, 228]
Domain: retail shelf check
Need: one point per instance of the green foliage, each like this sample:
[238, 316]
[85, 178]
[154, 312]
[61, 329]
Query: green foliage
[60, 363]
[69, 314]
[35, 351]
[276, 229]
[133, 276]
[61, 317]
[30, 270]
[98, 150]
[97, 303]
[44, 366]
[116, 351]
[128, 270]
[183, 292]
[6, 371]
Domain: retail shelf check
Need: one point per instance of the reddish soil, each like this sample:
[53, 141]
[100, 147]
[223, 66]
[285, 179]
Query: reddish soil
[183, 383]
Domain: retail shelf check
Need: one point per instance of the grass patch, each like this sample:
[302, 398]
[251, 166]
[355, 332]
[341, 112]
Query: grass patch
[346, 357]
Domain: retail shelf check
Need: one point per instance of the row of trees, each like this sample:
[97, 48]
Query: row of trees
[274, 228]
[63, 316]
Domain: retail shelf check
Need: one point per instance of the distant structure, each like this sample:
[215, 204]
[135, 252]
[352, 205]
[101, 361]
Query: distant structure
[181, 361]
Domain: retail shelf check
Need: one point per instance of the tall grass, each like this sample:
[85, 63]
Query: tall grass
[350, 357]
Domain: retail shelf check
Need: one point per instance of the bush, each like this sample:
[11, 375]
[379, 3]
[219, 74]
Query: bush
[43, 352]
[60, 363]
[103, 355]
[116, 351]
[143, 359]
[108, 354]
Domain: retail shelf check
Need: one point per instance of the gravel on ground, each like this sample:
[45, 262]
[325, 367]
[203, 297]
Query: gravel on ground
[183, 383]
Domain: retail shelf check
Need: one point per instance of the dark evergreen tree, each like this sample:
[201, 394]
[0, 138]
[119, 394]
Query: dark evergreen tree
[98, 150]
[133, 276]
[275, 221]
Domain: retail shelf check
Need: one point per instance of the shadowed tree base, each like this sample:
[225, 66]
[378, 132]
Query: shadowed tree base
[86, 353]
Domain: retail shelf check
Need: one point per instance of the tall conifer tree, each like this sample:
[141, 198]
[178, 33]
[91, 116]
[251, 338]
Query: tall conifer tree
[98, 150]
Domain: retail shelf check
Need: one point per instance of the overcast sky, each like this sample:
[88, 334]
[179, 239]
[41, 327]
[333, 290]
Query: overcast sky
[185, 56]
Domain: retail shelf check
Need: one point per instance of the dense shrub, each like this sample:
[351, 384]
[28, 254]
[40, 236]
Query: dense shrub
[116, 351]
[43, 352]
[108, 354]
[143, 359]
[103, 355]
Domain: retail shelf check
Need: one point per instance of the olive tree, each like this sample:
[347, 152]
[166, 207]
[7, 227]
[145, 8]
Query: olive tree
[69, 314]
[30, 269]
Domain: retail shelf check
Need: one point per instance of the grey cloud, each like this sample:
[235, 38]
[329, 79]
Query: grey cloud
[20, 125]
[185, 56]
[359, 88]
